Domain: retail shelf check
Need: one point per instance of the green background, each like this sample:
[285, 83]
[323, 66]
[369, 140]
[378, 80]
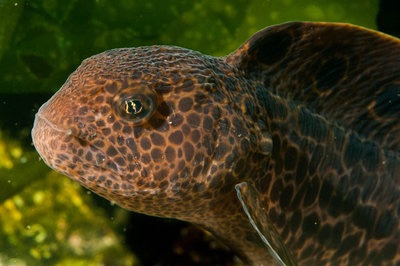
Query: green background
[43, 41]
[46, 219]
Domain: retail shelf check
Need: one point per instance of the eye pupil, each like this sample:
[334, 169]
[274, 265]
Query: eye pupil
[133, 106]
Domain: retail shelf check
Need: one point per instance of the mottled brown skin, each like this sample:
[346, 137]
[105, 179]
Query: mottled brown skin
[305, 113]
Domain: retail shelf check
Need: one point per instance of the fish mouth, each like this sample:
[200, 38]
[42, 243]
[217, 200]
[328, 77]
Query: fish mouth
[43, 134]
[60, 149]
[39, 118]
[63, 151]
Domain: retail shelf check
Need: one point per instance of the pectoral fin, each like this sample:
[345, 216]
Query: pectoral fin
[250, 200]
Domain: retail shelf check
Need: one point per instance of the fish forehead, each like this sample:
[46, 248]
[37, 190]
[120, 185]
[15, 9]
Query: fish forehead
[105, 75]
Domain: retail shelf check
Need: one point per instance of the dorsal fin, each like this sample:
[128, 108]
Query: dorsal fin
[349, 74]
[258, 218]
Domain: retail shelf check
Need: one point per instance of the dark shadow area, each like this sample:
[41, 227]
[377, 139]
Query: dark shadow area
[17, 112]
[388, 18]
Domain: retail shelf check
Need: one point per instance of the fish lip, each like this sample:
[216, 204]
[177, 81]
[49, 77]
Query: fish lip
[54, 127]
[86, 167]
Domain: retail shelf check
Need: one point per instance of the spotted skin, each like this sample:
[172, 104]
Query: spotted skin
[304, 114]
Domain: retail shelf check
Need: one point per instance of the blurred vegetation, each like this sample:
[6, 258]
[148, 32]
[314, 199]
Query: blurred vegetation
[42, 41]
[45, 219]
[51, 221]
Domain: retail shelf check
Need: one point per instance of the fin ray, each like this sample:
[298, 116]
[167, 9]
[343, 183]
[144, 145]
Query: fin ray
[249, 198]
[346, 73]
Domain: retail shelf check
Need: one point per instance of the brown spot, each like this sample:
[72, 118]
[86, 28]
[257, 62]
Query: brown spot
[146, 158]
[100, 123]
[145, 143]
[188, 150]
[111, 151]
[127, 130]
[193, 119]
[157, 139]
[99, 143]
[120, 161]
[176, 120]
[89, 156]
[185, 104]
[161, 175]
[116, 126]
[83, 110]
[170, 154]
[176, 137]
[195, 136]
[156, 154]
[208, 123]
[99, 99]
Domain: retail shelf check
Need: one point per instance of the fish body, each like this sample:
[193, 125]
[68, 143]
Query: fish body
[287, 149]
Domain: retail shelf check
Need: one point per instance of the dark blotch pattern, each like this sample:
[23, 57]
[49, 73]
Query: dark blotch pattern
[305, 116]
[157, 139]
[185, 104]
[272, 47]
[388, 101]
[330, 73]
[176, 137]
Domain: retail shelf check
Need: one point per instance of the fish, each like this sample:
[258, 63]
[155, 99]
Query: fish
[287, 149]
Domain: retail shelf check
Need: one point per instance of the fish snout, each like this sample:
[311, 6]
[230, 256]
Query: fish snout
[47, 139]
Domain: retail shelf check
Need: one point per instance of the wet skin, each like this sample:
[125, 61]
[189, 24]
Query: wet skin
[287, 150]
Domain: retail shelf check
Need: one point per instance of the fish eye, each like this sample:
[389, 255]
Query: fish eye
[136, 107]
